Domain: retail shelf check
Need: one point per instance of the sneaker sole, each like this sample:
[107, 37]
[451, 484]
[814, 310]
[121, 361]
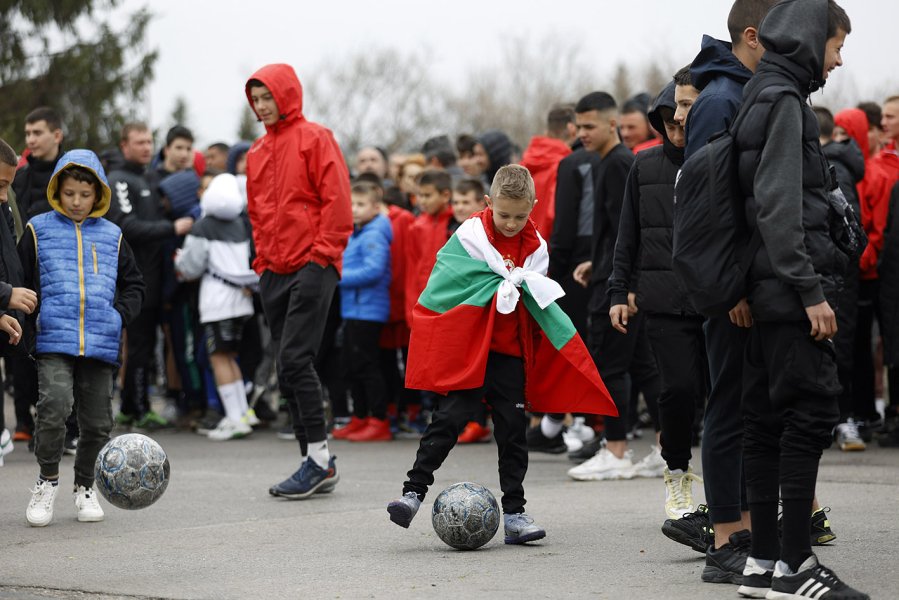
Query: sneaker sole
[676, 535]
[552, 450]
[621, 475]
[823, 540]
[529, 537]
[753, 592]
[90, 519]
[650, 474]
[39, 523]
[323, 487]
[400, 514]
[716, 575]
[853, 447]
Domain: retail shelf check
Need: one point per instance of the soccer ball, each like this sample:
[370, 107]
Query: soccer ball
[132, 471]
[465, 515]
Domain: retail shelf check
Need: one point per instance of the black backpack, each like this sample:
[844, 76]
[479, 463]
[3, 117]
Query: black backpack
[711, 247]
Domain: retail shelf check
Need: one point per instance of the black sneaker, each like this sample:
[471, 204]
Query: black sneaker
[726, 564]
[821, 532]
[813, 580]
[70, 446]
[587, 451]
[264, 411]
[756, 579]
[537, 442]
[693, 529]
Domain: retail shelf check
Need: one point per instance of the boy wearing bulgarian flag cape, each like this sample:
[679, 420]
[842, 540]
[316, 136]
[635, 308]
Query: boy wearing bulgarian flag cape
[487, 327]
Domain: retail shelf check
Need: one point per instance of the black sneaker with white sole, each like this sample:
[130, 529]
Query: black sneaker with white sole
[694, 529]
[813, 580]
[756, 579]
[726, 564]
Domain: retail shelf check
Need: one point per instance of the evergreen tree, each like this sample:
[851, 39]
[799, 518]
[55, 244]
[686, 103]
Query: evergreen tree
[248, 129]
[95, 81]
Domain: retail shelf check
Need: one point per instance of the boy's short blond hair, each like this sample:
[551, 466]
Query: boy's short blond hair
[513, 182]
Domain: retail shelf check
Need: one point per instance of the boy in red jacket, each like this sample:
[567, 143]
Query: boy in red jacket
[298, 199]
[473, 339]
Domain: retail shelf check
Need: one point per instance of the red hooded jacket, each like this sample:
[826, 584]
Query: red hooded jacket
[298, 190]
[427, 235]
[395, 333]
[873, 191]
[542, 158]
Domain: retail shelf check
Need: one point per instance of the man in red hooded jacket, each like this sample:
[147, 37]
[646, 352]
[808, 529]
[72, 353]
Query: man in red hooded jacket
[542, 158]
[298, 199]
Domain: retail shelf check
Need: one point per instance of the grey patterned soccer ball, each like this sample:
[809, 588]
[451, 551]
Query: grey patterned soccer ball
[132, 471]
[465, 515]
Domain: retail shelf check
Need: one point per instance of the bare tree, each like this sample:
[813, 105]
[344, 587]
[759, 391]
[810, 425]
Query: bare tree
[248, 128]
[621, 83]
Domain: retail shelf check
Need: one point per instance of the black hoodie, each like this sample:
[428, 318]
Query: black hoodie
[642, 262]
[783, 170]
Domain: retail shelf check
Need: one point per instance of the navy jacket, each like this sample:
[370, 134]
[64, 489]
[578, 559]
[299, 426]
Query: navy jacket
[720, 77]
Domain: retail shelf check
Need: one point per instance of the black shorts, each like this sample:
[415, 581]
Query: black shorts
[224, 336]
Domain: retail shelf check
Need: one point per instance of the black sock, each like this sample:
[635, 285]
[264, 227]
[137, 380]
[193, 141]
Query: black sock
[797, 544]
[765, 545]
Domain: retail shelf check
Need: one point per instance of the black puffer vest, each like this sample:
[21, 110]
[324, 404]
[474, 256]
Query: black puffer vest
[770, 298]
[658, 290]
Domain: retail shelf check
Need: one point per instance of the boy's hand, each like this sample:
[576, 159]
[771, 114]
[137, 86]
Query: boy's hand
[619, 313]
[583, 272]
[12, 327]
[183, 225]
[632, 304]
[23, 299]
[740, 315]
[823, 319]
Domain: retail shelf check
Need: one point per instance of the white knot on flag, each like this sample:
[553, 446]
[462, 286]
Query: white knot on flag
[544, 290]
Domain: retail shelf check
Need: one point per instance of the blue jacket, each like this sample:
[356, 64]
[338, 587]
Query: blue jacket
[720, 77]
[365, 287]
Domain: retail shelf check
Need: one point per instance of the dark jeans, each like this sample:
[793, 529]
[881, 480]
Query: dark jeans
[722, 437]
[790, 390]
[679, 347]
[141, 345]
[504, 391]
[614, 354]
[863, 407]
[296, 306]
[63, 380]
[361, 359]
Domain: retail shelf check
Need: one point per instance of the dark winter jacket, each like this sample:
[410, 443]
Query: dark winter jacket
[610, 181]
[783, 171]
[30, 186]
[889, 283]
[11, 275]
[136, 209]
[643, 250]
[573, 225]
[720, 77]
[847, 160]
[498, 147]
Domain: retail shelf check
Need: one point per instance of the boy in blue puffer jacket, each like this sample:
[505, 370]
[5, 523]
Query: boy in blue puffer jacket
[89, 288]
[365, 307]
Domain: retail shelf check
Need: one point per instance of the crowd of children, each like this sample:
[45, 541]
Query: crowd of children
[445, 295]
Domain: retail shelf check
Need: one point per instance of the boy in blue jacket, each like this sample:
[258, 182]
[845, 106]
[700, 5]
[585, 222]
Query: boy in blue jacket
[365, 307]
[89, 288]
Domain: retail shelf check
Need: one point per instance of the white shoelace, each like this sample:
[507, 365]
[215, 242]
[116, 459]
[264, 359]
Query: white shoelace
[850, 430]
[45, 499]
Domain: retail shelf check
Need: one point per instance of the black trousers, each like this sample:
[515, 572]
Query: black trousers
[614, 354]
[863, 407]
[141, 345]
[722, 437]
[844, 341]
[361, 358]
[296, 306]
[790, 391]
[503, 390]
[679, 347]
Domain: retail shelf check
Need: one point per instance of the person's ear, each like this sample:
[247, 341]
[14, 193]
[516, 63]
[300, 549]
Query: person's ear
[488, 201]
[751, 37]
[57, 136]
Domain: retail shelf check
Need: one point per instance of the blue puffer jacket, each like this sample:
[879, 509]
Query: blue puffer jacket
[365, 287]
[78, 264]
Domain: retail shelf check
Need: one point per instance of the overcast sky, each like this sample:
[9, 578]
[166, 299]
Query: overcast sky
[207, 49]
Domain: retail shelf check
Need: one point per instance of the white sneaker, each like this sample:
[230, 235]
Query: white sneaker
[578, 434]
[652, 465]
[679, 493]
[230, 430]
[86, 505]
[848, 437]
[603, 466]
[40, 509]
[6, 445]
[250, 418]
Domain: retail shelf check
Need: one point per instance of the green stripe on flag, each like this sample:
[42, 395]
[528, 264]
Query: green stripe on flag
[458, 279]
[552, 320]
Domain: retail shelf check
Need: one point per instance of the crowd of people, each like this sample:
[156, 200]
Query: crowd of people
[378, 297]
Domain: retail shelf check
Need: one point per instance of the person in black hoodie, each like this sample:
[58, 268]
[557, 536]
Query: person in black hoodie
[790, 381]
[136, 209]
[643, 279]
[848, 163]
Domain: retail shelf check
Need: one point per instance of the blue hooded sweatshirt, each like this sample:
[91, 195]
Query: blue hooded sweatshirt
[720, 77]
[365, 286]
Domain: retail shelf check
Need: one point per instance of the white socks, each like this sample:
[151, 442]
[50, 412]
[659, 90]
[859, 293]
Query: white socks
[549, 427]
[319, 453]
[234, 399]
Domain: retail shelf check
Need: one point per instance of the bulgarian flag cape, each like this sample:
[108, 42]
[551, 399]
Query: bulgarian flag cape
[454, 317]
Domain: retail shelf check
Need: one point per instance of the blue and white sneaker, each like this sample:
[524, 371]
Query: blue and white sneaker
[404, 509]
[520, 529]
[308, 480]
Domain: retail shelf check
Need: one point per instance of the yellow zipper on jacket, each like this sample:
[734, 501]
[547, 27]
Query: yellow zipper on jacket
[80, 290]
[94, 252]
